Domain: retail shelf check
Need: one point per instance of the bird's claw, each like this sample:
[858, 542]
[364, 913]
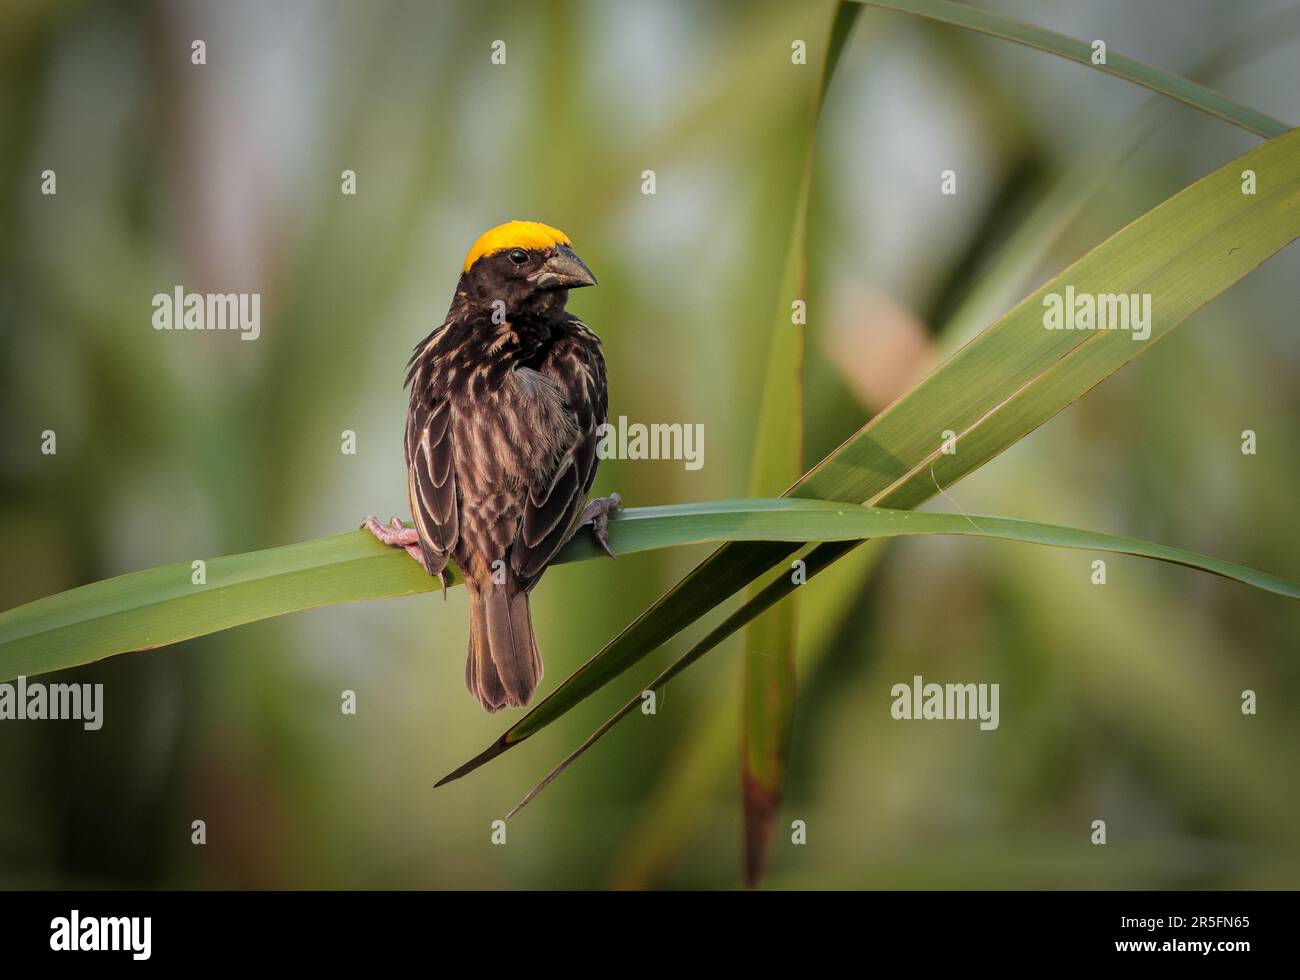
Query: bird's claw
[596, 513]
[395, 534]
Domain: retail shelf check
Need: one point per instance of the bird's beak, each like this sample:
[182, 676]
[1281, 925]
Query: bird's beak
[563, 270]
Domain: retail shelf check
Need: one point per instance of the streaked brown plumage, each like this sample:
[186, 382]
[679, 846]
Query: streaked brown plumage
[506, 397]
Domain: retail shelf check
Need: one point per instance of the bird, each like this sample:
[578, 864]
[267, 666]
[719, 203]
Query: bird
[507, 406]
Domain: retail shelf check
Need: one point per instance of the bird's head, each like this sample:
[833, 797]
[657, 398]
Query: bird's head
[527, 265]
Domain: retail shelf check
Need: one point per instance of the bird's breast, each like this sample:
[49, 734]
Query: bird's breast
[511, 435]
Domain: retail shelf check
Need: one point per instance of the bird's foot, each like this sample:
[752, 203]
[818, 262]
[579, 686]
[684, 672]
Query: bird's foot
[395, 534]
[596, 513]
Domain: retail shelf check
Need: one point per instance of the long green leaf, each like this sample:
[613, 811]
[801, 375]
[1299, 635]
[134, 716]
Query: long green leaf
[769, 678]
[152, 608]
[163, 605]
[897, 523]
[1006, 382]
[1157, 79]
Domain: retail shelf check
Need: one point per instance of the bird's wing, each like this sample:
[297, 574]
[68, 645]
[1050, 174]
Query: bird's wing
[554, 502]
[430, 476]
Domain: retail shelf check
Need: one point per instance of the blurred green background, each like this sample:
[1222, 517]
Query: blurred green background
[1119, 702]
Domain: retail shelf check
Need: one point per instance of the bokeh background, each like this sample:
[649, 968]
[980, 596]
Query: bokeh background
[1119, 702]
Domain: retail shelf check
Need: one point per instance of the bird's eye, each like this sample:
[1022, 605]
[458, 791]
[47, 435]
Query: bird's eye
[518, 256]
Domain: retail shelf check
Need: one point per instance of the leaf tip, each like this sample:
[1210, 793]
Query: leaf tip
[487, 755]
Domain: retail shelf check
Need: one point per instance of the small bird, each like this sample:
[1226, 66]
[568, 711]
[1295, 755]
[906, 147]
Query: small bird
[507, 401]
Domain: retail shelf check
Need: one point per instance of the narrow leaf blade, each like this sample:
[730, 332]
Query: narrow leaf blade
[769, 675]
[890, 523]
[1121, 66]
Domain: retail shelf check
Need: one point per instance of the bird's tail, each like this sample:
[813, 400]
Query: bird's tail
[504, 666]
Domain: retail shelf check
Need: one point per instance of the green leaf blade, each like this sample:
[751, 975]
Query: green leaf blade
[1121, 66]
[769, 642]
[888, 523]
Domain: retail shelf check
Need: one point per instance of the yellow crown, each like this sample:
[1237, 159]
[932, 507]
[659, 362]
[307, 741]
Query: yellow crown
[515, 234]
